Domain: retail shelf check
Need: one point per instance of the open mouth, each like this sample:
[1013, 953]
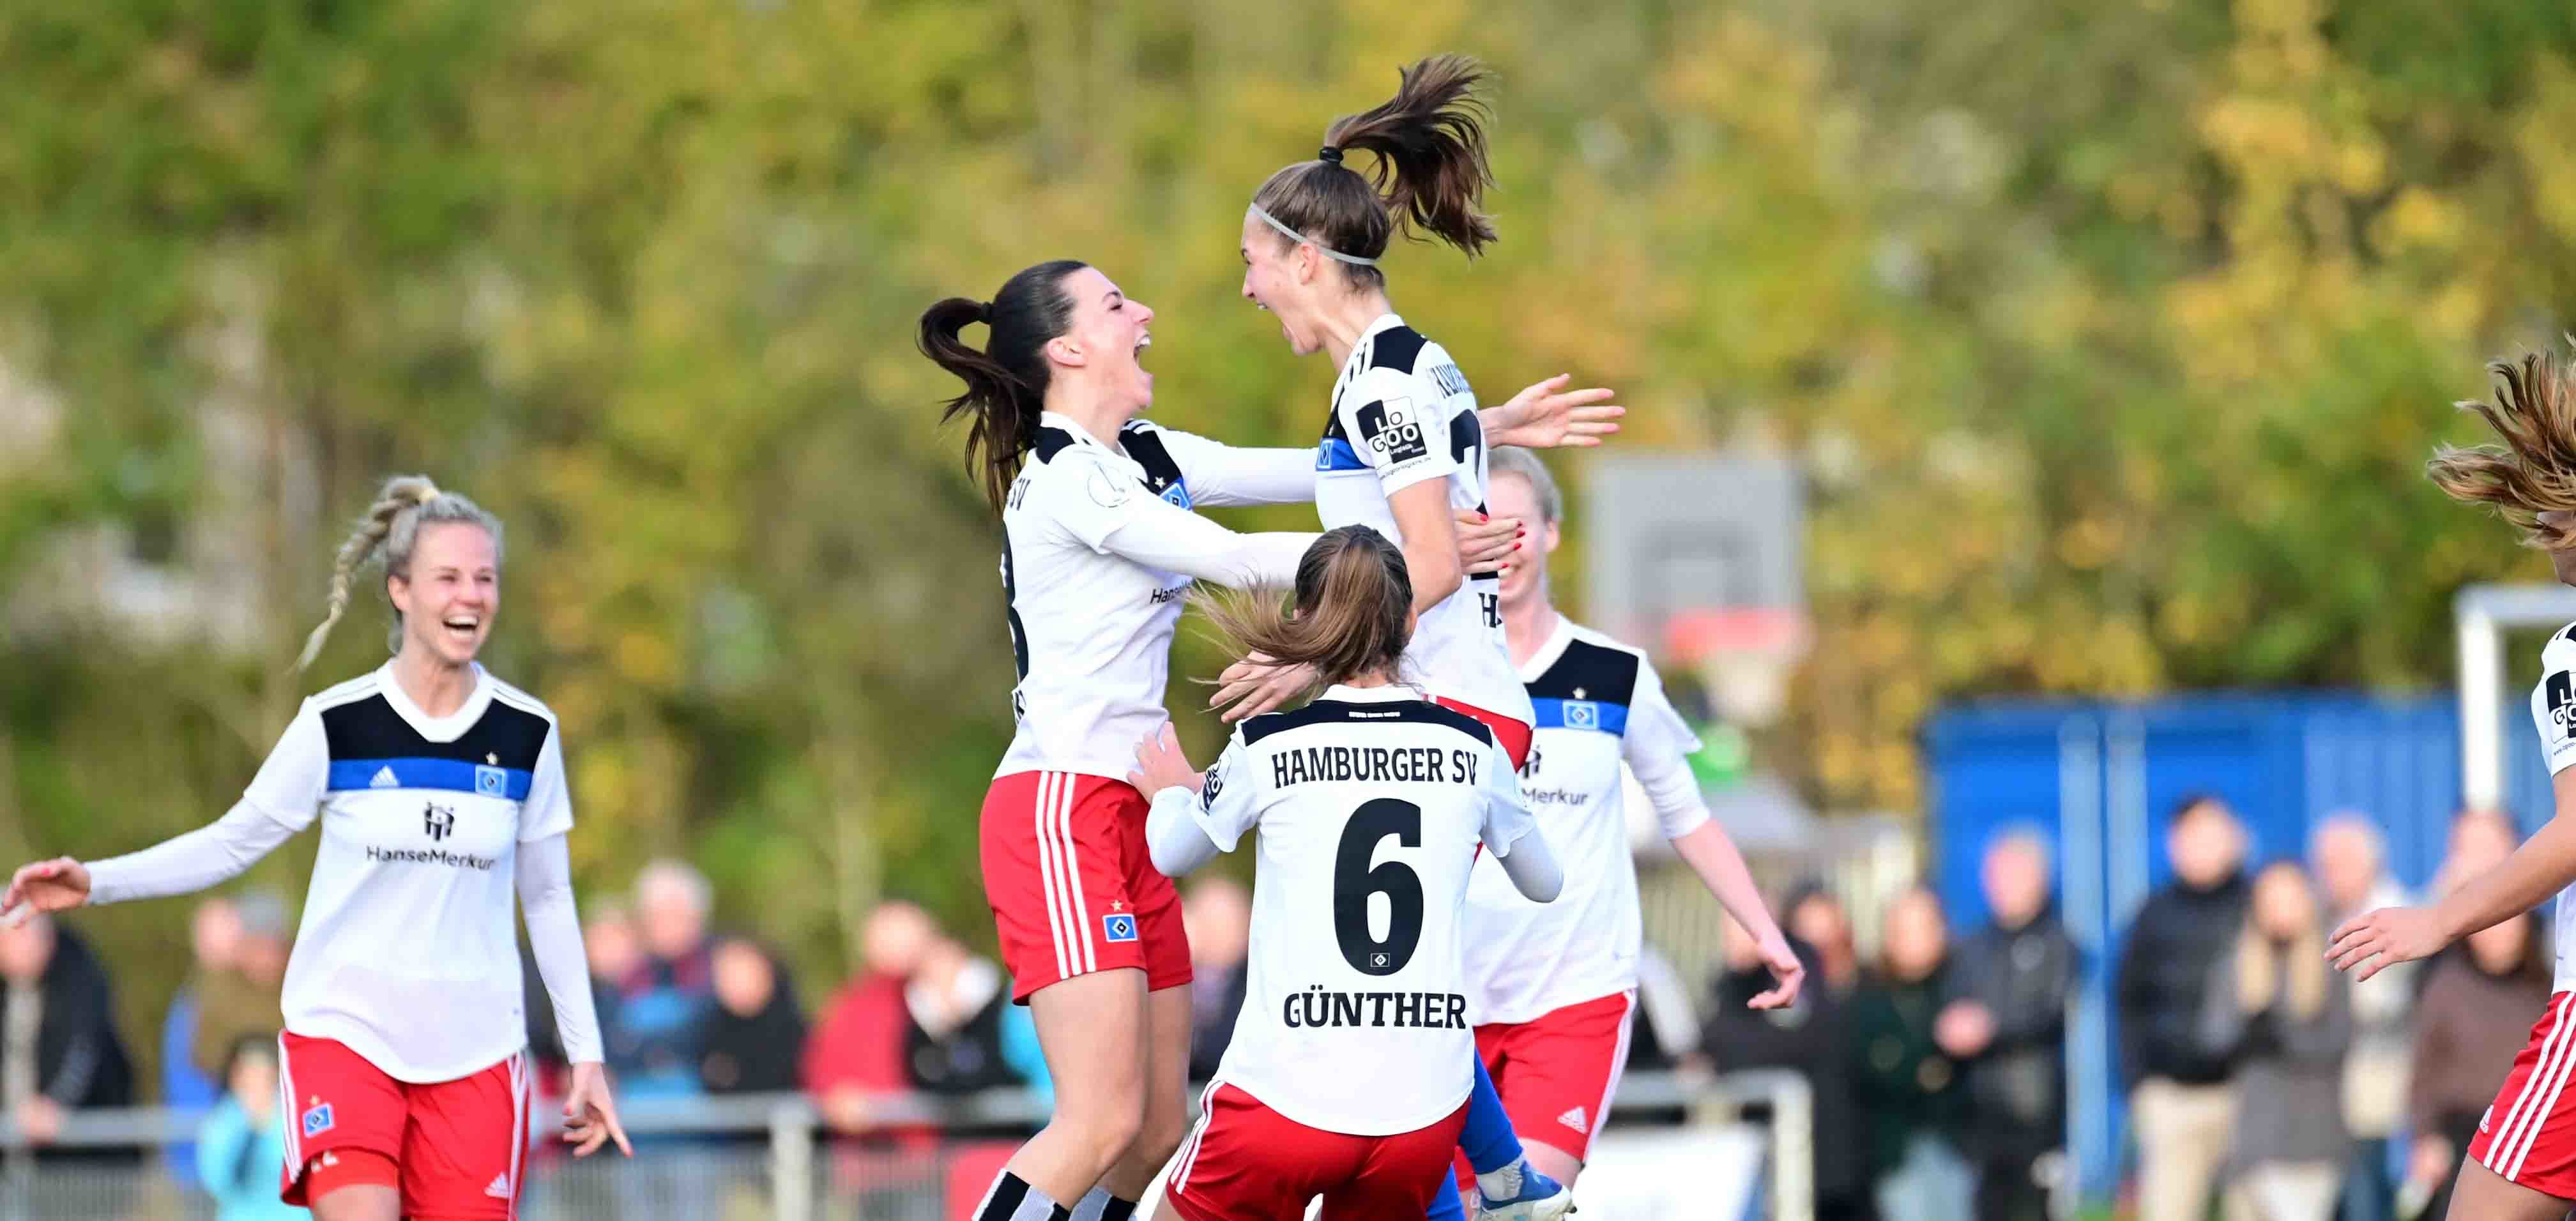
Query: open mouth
[462, 628]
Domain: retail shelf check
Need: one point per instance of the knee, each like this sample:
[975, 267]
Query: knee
[1159, 1135]
[1106, 1125]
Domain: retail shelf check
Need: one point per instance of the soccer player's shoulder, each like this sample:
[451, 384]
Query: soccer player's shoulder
[1595, 638]
[2559, 655]
[1398, 348]
[362, 687]
[1059, 467]
[1439, 715]
[507, 696]
[1601, 662]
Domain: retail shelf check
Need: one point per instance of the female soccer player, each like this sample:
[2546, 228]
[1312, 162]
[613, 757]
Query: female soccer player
[1099, 544]
[1402, 449]
[1553, 986]
[1350, 1067]
[404, 1069]
[2522, 1164]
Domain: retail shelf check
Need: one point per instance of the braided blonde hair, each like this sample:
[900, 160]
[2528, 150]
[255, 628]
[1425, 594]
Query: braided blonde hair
[391, 525]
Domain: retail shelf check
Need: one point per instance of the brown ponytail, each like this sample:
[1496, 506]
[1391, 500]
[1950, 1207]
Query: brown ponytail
[1353, 601]
[2534, 471]
[1006, 382]
[1430, 174]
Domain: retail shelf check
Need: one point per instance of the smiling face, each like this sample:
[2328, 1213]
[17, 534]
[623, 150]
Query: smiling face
[1104, 341]
[452, 591]
[1284, 278]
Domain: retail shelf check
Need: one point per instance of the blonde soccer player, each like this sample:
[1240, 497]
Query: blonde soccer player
[404, 1072]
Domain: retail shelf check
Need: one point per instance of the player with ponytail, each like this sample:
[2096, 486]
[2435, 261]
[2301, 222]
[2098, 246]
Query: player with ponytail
[1403, 449]
[404, 1075]
[1370, 789]
[2521, 1163]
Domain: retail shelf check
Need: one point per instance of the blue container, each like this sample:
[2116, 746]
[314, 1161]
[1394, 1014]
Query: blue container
[2104, 779]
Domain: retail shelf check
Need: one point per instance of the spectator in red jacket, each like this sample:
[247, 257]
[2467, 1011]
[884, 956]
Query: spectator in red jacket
[857, 1049]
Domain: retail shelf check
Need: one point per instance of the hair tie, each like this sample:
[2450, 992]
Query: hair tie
[1329, 153]
[984, 312]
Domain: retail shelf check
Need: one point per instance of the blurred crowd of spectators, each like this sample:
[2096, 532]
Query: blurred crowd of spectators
[2257, 1078]
[2259, 1081]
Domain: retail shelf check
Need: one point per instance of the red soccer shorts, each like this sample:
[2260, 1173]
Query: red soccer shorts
[1557, 1072]
[458, 1143]
[2529, 1134]
[1509, 733]
[1072, 885]
[1246, 1161]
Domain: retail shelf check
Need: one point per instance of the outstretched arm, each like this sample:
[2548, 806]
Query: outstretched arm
[2544, 865]
[183, 864]
[281, 800]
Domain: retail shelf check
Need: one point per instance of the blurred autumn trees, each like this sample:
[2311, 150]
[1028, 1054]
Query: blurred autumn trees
[2110, 339]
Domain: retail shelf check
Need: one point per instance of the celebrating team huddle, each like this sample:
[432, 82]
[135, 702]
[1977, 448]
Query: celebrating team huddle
[1417, 996]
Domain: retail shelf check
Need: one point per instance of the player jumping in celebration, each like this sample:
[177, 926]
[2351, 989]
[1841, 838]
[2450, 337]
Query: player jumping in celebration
[1553, 986]
[404, 1077]
[1349, 1070]
[1099, 544]
[2522, 1164]
[1402, 448]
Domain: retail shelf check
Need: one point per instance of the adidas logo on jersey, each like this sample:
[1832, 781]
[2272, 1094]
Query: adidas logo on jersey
[385, 779]
[500, 1188]
[1575, 1119]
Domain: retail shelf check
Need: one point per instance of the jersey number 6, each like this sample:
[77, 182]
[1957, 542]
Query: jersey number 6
[1354, 881]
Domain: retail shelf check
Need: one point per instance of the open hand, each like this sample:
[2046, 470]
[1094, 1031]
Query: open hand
[45, 886]
[1160, 764]
[1545, 415]
[1256, 685]
[2375, 941]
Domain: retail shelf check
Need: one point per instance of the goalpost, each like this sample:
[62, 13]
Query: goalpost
[2482, 614]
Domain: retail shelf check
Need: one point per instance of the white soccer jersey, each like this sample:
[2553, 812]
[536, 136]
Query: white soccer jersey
[1402, 413]
[1370, 803]
[2553, 712]
[1598, 702]
[1099, 546]
[408, 952]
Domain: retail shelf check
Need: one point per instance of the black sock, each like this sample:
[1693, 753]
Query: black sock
[1099, 1205]
[1012, 1199]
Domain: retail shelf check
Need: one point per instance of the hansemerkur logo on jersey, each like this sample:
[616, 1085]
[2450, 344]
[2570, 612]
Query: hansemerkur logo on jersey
[438, 820]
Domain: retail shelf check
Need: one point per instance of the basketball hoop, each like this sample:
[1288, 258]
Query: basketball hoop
[1743, 654]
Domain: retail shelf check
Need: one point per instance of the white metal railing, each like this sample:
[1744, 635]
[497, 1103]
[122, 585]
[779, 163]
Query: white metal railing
[793, 1129]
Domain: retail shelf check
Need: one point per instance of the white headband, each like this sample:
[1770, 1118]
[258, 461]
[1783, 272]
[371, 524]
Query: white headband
[1294, 236]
